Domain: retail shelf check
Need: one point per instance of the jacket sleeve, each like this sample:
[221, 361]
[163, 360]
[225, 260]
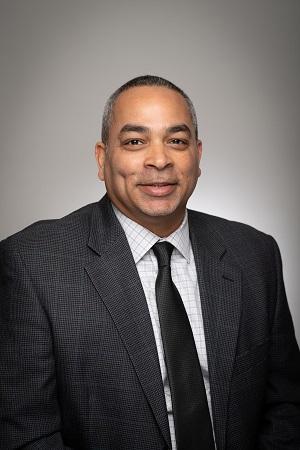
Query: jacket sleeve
[281, 422]
[29, 410]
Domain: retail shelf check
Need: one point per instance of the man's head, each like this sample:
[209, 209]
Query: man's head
[149, 155]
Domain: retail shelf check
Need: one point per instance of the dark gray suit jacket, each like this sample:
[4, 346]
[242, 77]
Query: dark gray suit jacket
[78, 362]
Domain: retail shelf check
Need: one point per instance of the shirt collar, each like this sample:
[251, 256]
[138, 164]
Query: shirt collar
[141, 240]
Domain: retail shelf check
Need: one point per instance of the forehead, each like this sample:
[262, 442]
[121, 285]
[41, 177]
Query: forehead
[151, 105]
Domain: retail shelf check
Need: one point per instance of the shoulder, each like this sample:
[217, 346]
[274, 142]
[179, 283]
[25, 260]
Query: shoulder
[51, 235]
[242, 241]
[224, 227]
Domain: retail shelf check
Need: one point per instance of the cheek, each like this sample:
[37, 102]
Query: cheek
[119, 172]
[124, 167]
[191, 174]
[190, 169]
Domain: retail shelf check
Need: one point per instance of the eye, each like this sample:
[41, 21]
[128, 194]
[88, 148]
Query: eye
[133, 142]
[178, 143]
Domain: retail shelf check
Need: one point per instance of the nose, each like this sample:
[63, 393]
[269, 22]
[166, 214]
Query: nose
[158, 156]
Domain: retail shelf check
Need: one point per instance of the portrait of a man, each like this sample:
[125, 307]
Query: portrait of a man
[136, 323]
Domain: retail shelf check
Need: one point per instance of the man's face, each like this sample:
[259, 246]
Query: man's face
[151, 162]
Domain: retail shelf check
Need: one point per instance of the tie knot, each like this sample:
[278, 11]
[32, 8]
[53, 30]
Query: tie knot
[163, 252]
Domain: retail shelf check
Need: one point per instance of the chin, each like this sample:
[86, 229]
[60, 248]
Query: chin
[159, 210]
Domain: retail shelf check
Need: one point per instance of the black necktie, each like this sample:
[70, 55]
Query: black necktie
[193, 429]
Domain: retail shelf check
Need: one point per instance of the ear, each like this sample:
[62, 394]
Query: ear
[100, 155]
[199, 150]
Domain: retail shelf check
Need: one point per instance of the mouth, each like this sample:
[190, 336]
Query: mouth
[158, 189]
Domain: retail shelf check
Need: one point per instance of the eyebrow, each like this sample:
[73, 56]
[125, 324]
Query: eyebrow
[135, 128]
[180, 127]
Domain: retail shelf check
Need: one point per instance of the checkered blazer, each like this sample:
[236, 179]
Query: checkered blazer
[78, 362]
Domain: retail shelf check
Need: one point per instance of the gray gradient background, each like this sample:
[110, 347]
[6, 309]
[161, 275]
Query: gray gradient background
[239, 60]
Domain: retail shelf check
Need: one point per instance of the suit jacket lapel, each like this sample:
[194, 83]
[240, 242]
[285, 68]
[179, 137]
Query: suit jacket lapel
[220, 293]
[116, 279]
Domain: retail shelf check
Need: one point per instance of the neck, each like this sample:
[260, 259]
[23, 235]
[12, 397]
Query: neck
[163, 228]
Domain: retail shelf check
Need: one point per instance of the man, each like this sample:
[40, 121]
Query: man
[104, 345]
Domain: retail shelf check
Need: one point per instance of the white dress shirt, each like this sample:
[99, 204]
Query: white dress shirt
[184, 276]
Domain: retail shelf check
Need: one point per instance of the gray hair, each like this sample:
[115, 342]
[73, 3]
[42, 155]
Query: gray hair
[144, 80]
